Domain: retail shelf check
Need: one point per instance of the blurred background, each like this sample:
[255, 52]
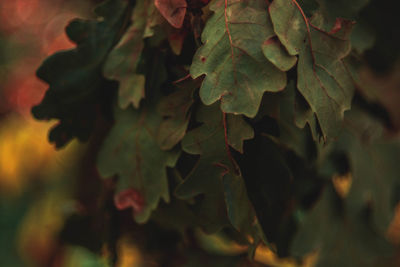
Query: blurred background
[35, 180]
[38, 185]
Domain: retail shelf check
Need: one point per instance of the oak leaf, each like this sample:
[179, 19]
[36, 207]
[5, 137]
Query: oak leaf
[216, 174]
[131, 152]
[236, 71]
[77, 86]
[322, 77]
[122, 62]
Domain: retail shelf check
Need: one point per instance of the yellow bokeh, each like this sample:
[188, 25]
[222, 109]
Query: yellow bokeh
[129, 255]
[342, 184]
[265, 255]
[40, 226]
[25, 152]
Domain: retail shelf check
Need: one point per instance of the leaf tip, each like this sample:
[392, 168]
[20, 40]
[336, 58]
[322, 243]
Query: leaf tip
[129, 198]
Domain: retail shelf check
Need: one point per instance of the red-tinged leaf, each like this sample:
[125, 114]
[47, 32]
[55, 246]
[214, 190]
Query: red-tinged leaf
[129, 198]
[173, 11]
[338, 25]
[131, 151]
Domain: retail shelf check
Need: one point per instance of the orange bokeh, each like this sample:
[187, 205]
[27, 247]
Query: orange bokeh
[38, 27]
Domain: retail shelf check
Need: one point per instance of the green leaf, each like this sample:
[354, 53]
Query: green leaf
[322, 78]
[363, 36]
[373, 164]
[122, 61]
[304, 115]
[277, 54]
[131, 151]
[175, 108]
[288, 24]
[236, 71]
[238, 131]
[216, 175]
[338, 240]
[240, 210]
[77, 86]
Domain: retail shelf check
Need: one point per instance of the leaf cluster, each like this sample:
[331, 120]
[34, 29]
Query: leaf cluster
[234, 117]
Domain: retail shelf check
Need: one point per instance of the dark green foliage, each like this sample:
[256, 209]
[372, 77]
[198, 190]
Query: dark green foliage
[77, 86]
[258, 124]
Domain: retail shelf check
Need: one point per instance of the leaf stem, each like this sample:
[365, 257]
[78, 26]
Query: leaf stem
[230, 40]
[187, 76]
[308, 29]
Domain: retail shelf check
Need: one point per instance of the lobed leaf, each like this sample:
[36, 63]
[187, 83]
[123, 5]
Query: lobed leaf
[216, 175]
[236, 71]
[77, 86]
[122, 62]
[322, 77]
[131, 151]
[277, 54]
[175, 108]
